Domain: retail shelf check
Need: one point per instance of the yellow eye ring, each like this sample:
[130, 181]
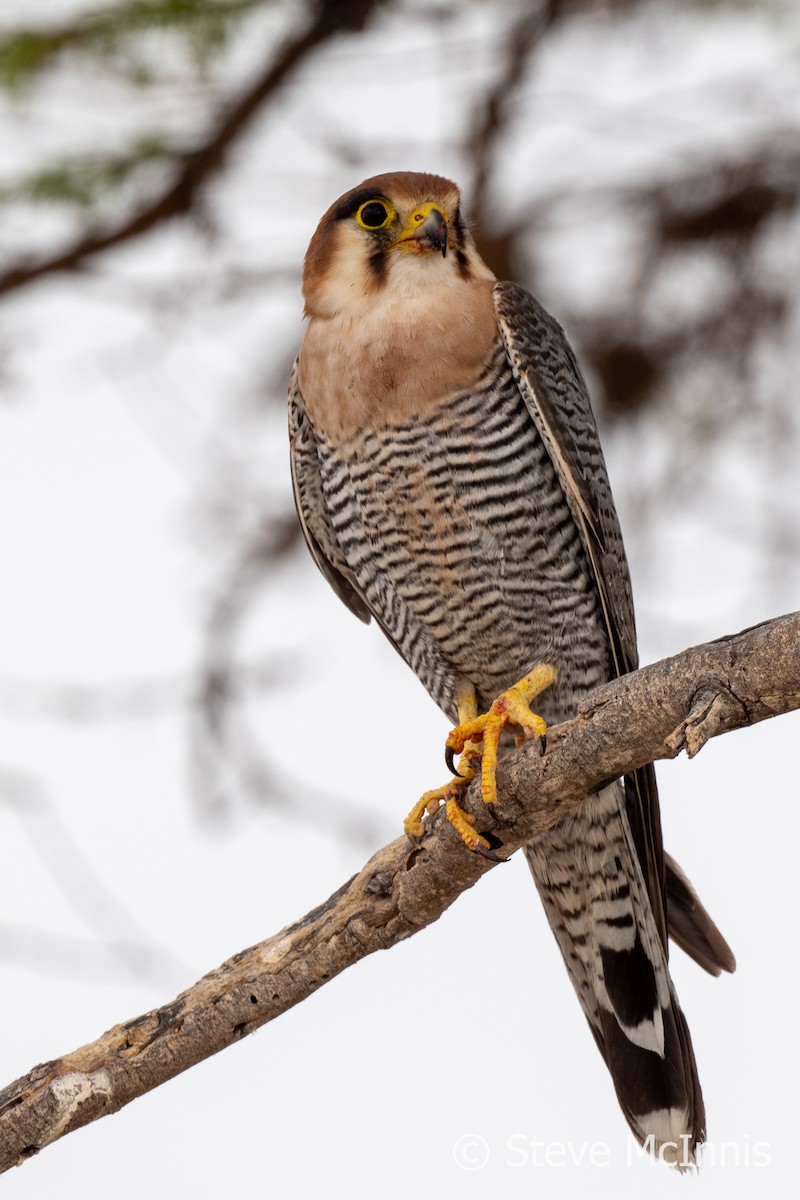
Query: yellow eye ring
[374, 214]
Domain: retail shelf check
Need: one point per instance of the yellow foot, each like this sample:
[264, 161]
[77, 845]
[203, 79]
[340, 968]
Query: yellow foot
[429, 802]
[448, 795]
[511, 708]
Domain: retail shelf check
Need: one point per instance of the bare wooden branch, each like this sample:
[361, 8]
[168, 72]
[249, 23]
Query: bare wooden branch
[654, 713]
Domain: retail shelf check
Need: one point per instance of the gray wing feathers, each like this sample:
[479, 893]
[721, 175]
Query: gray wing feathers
[311, 507]
[614, 943]
[691, 927]
[551, 383]
[552, 386]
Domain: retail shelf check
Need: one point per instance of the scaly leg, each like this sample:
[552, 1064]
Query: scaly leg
[512, 707]
[429, 802]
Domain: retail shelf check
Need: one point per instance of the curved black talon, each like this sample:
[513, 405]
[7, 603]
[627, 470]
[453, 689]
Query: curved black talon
[542, 745]
[490, 854]
[450, 759]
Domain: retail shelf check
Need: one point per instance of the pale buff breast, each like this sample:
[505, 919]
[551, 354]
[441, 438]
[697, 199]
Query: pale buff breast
[386, 352]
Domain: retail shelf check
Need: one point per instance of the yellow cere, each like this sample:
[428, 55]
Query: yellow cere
[424, 210]
[409, 230]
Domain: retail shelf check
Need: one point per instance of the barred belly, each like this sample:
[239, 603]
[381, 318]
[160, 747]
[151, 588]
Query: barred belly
[459, 534]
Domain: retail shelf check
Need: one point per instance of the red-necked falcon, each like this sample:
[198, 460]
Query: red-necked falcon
[450, 484]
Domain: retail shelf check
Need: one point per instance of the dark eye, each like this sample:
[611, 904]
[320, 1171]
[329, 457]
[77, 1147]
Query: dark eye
[373, 215]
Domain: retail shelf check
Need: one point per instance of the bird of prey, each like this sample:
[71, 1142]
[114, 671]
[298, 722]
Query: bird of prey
[450, 483]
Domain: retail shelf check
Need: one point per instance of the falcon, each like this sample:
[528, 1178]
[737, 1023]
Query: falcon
[450, 483]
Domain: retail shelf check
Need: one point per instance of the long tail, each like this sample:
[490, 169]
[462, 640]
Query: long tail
[589, 878]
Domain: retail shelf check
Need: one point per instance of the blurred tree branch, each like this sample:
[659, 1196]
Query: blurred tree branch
[656, 712]
[27, 52]
[195, 167]
[721, 208]
[495, 108]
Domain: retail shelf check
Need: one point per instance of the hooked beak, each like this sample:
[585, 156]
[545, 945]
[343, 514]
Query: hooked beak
[425, 230]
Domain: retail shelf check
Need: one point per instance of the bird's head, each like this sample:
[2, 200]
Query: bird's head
[393, 236]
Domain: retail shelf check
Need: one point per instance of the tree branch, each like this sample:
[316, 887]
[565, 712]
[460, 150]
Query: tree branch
[498, 105]
[653, 713]
[196, 166]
